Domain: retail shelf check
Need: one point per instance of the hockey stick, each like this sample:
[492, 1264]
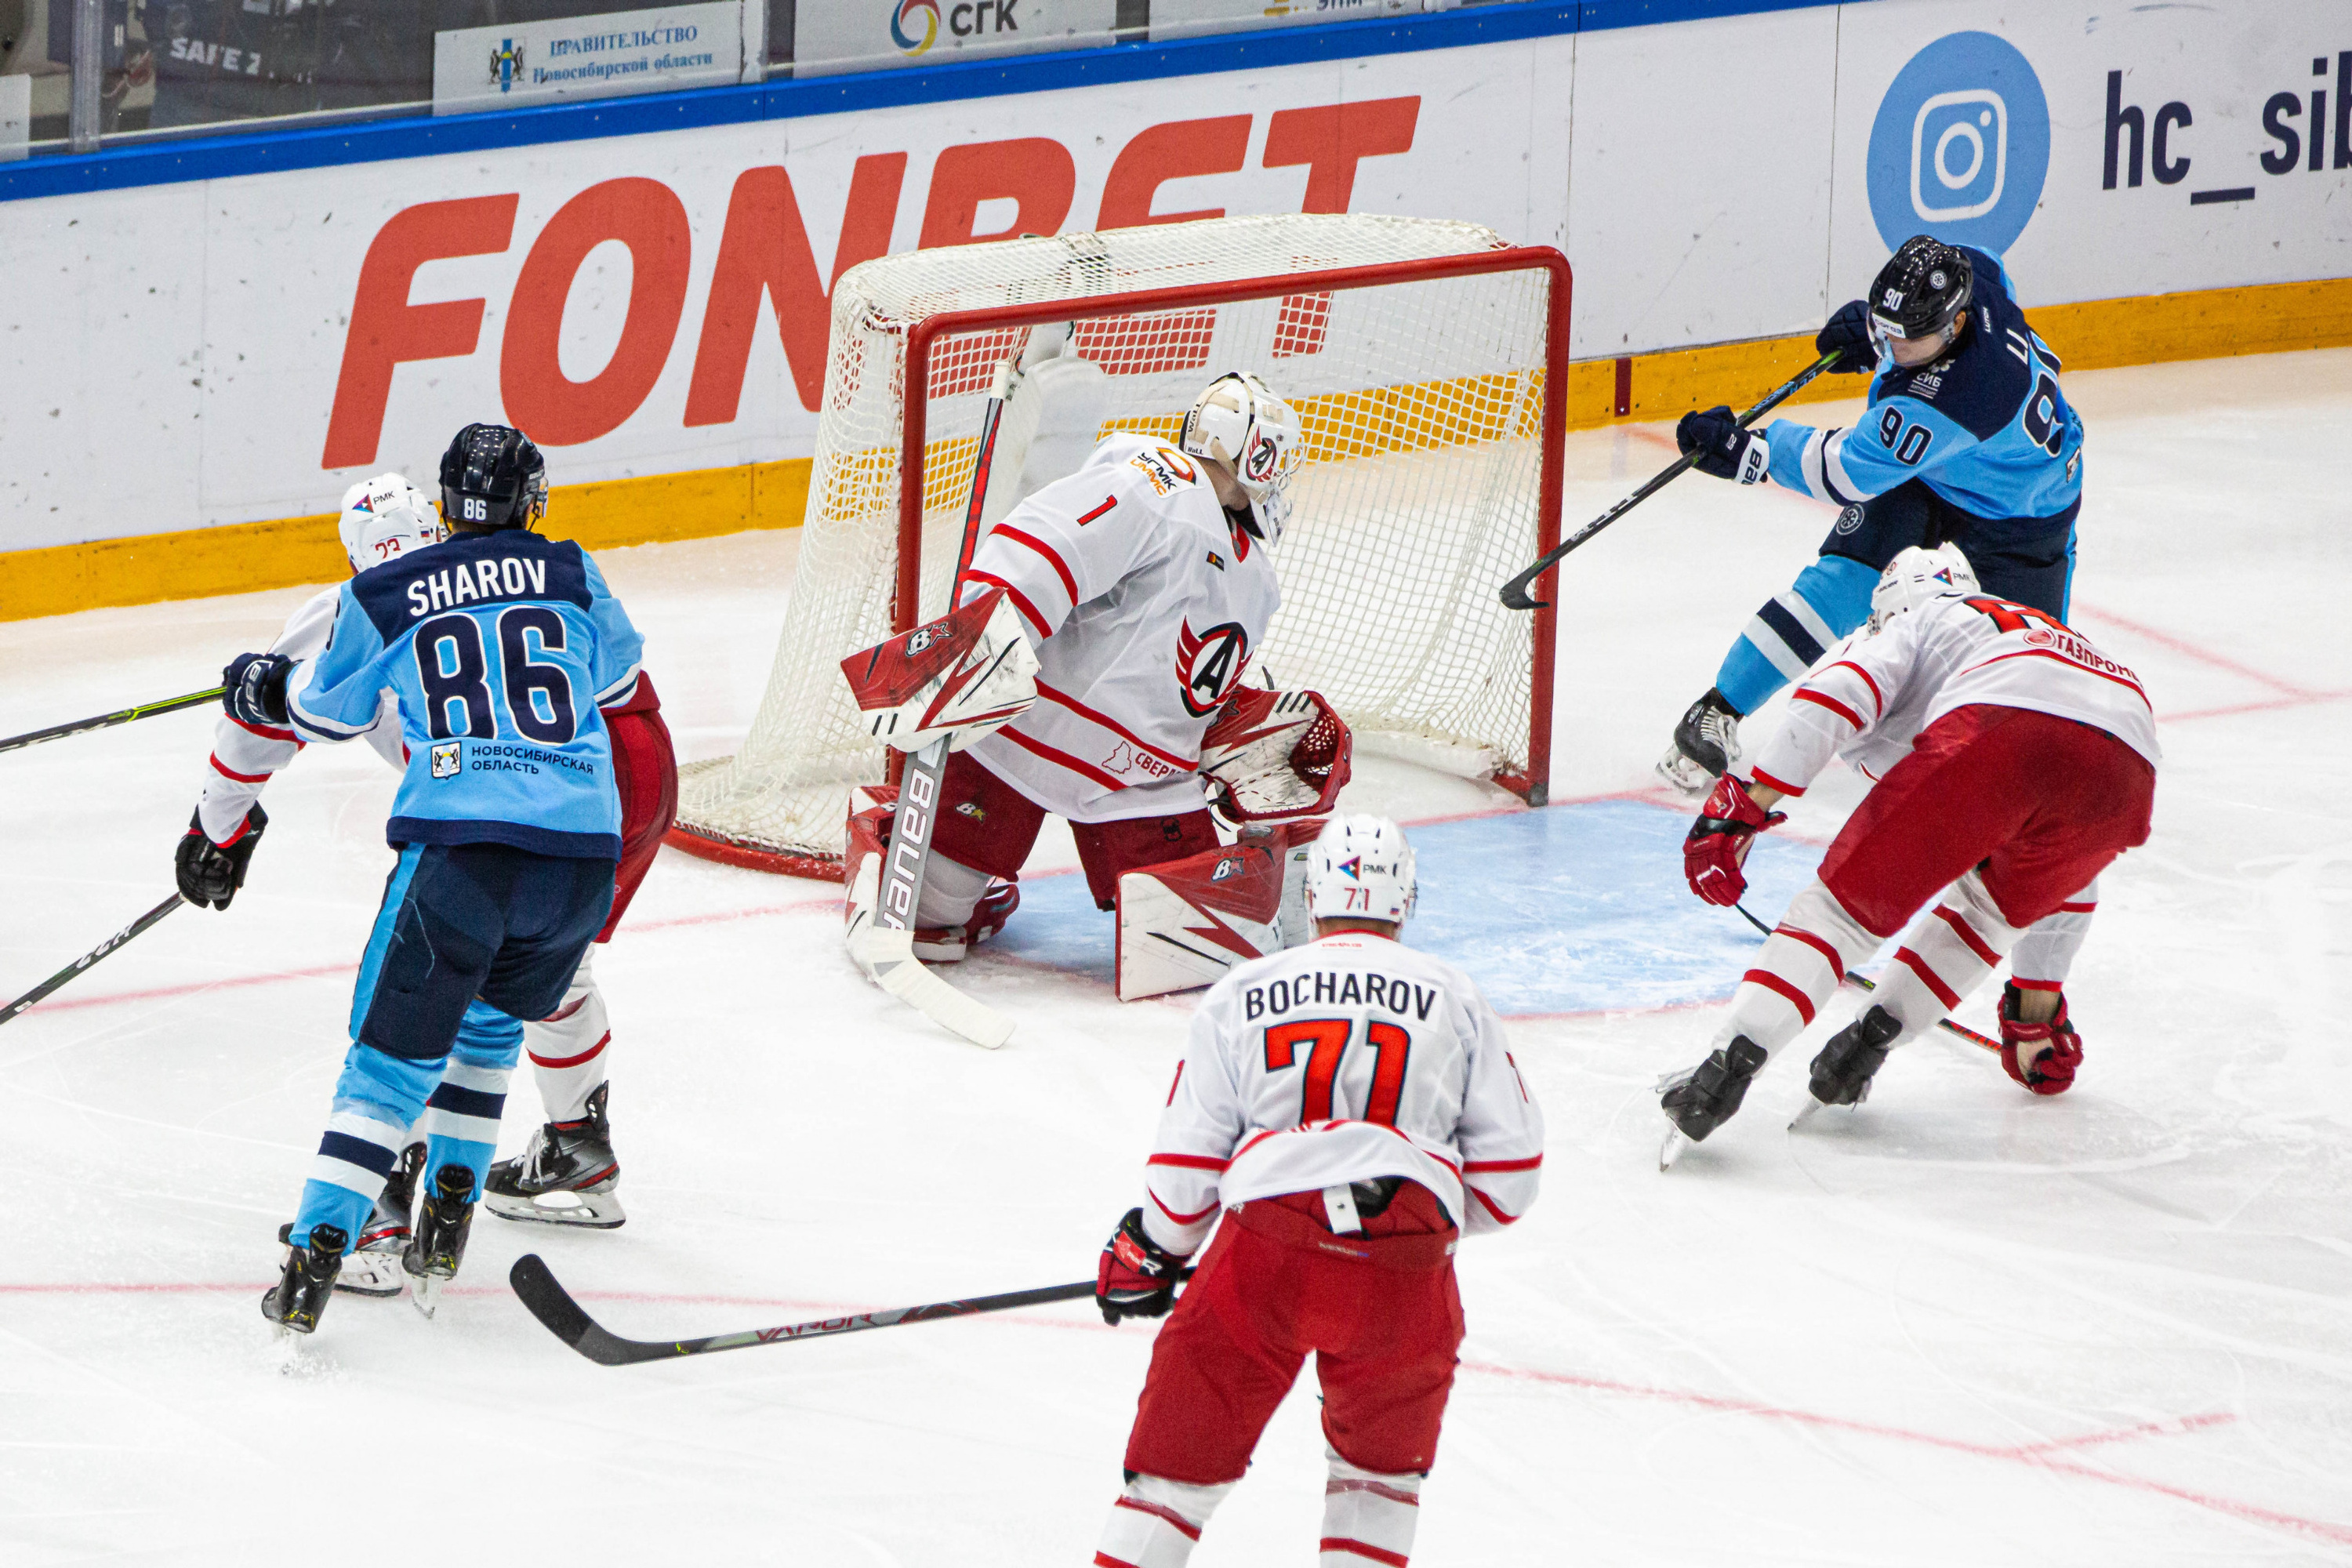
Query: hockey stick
[1866, 983]
[564, 1317]
[104, 720]
[1514, 592]
[87, 959]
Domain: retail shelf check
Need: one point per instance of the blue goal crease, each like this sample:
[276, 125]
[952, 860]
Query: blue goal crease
[1572, 909]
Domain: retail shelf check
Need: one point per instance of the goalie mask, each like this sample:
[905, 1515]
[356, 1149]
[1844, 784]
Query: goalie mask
[384, 517]
[1918, 575]
[1241, 424]
[1361, 868]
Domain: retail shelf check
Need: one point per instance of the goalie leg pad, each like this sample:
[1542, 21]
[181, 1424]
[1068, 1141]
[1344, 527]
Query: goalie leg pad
[961, 906]
[1109, 850]
[1184, 923]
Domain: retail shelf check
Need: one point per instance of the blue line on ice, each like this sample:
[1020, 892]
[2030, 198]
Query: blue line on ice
[1574, 909]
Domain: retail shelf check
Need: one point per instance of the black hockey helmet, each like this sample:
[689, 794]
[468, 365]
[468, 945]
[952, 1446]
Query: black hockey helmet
[492, 477]
[1923, 288]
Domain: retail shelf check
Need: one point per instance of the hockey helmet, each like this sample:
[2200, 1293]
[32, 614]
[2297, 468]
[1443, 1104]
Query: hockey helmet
[1923, 288]
[1241, 424]
[1360, 867]
[492, 477]
[1918, 575]
[384, 517]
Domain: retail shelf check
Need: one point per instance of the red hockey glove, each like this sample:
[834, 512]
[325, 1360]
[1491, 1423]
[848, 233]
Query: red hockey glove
[2041, 1056]
[1137, 1277]
[1718, 842]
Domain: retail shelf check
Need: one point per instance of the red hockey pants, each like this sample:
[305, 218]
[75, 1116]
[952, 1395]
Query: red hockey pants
[988, 826]
[1380, 1312]
[2040, 803]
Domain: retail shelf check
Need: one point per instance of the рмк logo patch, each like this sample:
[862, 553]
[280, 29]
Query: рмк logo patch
[1960, 146]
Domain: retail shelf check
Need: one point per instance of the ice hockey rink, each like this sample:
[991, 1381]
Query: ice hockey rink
[1960, 1325]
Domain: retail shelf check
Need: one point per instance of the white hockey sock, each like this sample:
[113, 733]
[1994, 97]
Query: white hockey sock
[571, 1048]
[2044, 956]
[951, 892]
[1946, 955]
[1366, 1516]
[1797, 970]
[1155, 1522]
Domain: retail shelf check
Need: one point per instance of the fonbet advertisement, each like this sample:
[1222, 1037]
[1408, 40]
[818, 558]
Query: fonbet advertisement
[658, 303]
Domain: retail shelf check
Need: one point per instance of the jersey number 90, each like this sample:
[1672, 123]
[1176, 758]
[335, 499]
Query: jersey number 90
[451, 666]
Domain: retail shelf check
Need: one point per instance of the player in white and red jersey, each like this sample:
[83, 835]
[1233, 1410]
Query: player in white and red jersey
[1145, 581]
[2013, 761]
[1352, 1107]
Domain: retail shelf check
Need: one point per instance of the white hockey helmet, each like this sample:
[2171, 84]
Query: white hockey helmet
[1915, 576]
[384, 517]
[1240, 423]
[1360, 867]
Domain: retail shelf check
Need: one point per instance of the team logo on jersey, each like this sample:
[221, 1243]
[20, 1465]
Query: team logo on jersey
[446, 763]
[1849, 519]
[2038, 637]
[1209, 665]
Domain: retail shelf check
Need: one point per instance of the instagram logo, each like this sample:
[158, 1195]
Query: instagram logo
[1960, 145]
[1961, 124]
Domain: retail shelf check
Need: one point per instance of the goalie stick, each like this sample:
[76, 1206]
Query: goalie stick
[87, 959]
[106, 721]
[564, 1317]
[1514, 592]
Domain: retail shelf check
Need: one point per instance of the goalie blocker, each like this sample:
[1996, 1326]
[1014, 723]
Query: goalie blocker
[1189, 906]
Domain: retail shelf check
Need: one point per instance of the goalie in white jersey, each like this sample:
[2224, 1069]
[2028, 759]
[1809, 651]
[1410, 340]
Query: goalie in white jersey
[2012, 761]
[1145, 581]
[1352, 1107]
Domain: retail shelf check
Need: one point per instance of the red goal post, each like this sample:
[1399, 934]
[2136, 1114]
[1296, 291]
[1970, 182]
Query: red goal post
[1532, 782]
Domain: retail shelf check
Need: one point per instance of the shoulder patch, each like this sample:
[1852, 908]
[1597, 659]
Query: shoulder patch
[1167, 468]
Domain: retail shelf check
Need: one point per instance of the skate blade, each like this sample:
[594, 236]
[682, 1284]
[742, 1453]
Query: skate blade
[1684, 774]
[1812, 1107]
[371, 1274]
[590, 1211]
[1672, 1149]
[424, 1293]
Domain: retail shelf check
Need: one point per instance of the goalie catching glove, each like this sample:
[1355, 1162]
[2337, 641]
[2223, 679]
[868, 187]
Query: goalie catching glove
[961, 675]
[1273, 755]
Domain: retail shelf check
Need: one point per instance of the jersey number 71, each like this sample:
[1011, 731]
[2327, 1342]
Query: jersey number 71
[1326, 1042]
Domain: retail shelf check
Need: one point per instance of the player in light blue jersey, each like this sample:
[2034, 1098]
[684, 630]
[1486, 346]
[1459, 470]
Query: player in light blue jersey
[1967, 441]
[500, 648]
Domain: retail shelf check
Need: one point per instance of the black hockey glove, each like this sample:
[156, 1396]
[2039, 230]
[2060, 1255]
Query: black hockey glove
[256, 687]
[210, 873]
[1725, 450]
[1849, 329]
[1137, 1277]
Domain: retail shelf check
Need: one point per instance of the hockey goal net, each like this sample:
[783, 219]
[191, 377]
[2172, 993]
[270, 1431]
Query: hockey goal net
[1426, 361]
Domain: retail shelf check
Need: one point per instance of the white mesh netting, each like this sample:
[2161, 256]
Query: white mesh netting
[1423, 406]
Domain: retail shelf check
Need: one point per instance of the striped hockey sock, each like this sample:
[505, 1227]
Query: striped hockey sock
[1368, 1517]
[1947, 954]
[1791, 630]
[460, 1124]
[1797, 970]
[1155, 1523]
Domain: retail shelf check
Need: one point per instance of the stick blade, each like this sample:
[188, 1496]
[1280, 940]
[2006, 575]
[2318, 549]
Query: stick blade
[546, 1299]
[886, 953]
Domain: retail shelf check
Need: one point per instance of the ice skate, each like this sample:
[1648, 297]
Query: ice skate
[1705, 1097]
[299, 1297]
[372, 1269]
[1705, 745]
[1843, 1072]
[566, 1175]
[950, 944]
[439, 1244]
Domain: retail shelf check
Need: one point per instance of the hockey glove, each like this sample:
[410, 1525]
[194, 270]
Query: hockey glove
[1725, 450]
[1137, 1277]
[256, 687]
[1719, 840]
[210, 873]
[1849, 329]
[2041, 1056]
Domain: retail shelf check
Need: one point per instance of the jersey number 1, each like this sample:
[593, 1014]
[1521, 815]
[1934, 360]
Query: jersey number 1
[1326, 1042]
[451, 666]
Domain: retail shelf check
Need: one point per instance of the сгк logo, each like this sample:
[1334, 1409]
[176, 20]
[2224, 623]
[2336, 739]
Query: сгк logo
[912, 16]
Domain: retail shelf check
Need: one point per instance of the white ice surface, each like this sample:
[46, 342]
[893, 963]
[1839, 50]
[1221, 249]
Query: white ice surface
[1960, 1326]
